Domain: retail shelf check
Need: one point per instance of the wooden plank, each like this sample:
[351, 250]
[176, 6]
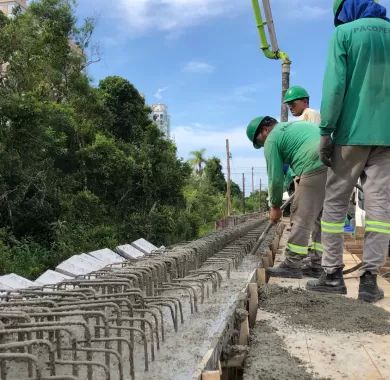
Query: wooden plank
[270, 256]
[235, 361]
[253, 303]
[260, 276]
[211, 375]
[243, 340]
[265, 262]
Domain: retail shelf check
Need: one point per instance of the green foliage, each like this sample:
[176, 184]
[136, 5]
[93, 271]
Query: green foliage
[198, 160]
[257, 201]
[214, 174]
[81, 168]
[204, 204]
[128, 112]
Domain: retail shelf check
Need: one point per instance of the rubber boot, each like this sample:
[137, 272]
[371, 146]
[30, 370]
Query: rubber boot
[309, 271]
[328, 283]
[284, 270]
[368, 288]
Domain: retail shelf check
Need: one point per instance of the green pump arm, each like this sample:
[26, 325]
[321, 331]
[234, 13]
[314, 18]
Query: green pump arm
[264, 45]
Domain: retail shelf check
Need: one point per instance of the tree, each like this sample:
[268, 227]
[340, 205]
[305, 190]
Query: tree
[80, 168]
[257, 201]
[129, 115]
[198, 160]
[214, 174]
[235, 190]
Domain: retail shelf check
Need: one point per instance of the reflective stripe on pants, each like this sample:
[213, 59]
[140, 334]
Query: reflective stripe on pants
[372, 166]
[309, 198]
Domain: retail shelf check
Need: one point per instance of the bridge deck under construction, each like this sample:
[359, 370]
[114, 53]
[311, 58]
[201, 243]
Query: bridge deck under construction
[200, 310]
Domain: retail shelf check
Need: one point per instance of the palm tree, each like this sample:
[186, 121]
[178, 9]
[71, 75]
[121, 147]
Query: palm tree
[198, 160]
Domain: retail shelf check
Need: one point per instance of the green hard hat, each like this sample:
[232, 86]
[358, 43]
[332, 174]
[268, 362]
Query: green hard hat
[294, 93]
[251, 130]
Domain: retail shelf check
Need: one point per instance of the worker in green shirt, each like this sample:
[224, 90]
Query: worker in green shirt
[298, 101]
[295, 144]
[355, 141]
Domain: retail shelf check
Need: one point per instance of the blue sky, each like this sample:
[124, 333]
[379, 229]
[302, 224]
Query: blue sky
[202, 59]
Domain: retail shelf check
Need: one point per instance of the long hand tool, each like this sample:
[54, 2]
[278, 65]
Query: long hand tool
[269, 226]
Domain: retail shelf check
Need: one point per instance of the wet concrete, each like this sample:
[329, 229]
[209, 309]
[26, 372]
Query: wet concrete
[269, 358]
[324, 311]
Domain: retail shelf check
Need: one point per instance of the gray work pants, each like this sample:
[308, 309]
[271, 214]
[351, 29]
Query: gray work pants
[308, 202]
[372, 165]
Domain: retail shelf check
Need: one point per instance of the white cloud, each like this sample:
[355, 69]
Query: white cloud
[213, 139]
[167, 15]
[306, 10]
[244, 94]
[309, 12]
[159, 92]
[198, 67]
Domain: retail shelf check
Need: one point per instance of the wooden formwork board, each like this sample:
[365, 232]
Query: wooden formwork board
[256, 279]
[248, 292]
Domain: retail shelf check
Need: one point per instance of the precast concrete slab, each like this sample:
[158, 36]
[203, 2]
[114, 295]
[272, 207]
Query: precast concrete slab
[144, 246]
[51, 277]
[76, 266]
[106, 256]
[129, 252]
[14, 281]
[96, 263]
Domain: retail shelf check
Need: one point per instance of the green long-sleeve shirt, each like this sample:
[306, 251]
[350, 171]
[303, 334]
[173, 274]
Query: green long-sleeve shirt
[288, 179]
[295, 144]
[356, 91]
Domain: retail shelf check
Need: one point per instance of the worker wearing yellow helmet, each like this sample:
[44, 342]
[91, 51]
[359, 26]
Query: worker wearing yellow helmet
[355, 141]
[295, 144]
[298, 101]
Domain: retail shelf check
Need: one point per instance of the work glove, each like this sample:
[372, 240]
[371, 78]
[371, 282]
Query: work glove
[326, 150]
[275, 214]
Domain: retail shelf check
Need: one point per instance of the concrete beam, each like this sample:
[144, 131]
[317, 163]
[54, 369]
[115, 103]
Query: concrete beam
[144, 246]
[51, 277]
[106, 256]
[14, 281]
[129, 252]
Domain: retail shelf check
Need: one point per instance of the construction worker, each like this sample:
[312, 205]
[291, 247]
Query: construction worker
[298, 99]
[296, 144]
[355, 140]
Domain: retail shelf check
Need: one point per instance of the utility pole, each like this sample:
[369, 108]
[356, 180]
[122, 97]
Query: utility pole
[243, 193]
[228, 191]
[253, 183]
[285, 86]
[260, 196]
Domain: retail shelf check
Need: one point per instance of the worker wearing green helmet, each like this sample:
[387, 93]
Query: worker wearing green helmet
[295, 144]
[355, 141]
[297, 99]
